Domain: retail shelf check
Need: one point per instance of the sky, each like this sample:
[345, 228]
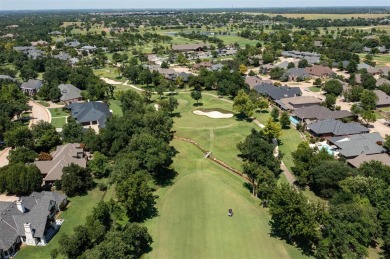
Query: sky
[172, 4]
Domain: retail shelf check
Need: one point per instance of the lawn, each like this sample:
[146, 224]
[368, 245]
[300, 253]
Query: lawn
[74, 215]
[379, 59]
[230, 39]
[193, 220]
[58, 122]
[115, 107]
[315, 89]
[45, 104]
[58, 112]
[220, 136]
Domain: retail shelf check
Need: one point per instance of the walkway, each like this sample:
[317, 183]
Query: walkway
[39, 112]
[289, 176]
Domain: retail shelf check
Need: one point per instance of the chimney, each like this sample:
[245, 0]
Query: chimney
[29, 234]
[20, 206]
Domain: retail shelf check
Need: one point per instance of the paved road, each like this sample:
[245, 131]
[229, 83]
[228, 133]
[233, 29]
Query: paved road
[39, 112]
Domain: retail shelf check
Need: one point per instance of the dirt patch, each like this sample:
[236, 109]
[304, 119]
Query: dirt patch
[112, 82]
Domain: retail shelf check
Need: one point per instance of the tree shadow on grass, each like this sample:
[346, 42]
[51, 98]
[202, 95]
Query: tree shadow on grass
[242, 117]
[165, 177]
[301, 243]
[176, 114]
[197, 104]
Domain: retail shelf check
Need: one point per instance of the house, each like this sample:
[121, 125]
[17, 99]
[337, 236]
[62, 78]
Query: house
[63, 156]
[55, 33]
[200, 65]
[32, 86]
[39, 43]
[189, 47]
[73, 44]
[297, 102]
[311, 57]
[88, 48]
[383, 99]
[7, 77]
[216, 67]
[90, 113]
[370, 69]
[316, 112]
[384, 71]
[334, 128]
[29, 221]
[357, 161]
[359, 144]
[69, 93]
[285, 64]
[185, 76]
[30, 51]
[277, 93]
[296, 74]
[264, 69]
[382, 81]
[63, 56]
[320, 71]
[366, 49]
[168, 73]
[255, 80]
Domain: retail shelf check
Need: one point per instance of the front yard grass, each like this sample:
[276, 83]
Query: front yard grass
[58, 112]
[58, 122]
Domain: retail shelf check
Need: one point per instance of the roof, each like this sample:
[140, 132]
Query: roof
[73, 44]
[291, 103]
[298, 72]
[337, 128]
[37, 207]
[69, 92]
[253, 80]
[7, 77]
[202, 64]
[277, 93]
[318, 70]
[62, 56]
[359, 144]
[189, 47]
[382, 81]
[370, 69]
[34, 84]
[320, 113]
[383, 98]
[90, 111]
[62, 157]
[357, 161]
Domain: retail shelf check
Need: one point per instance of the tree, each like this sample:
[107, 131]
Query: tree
[136, 196]
[19, 136]
[272, 130]
[196, 95]
[76, 180]
[330, 101]
[169, 105]
[293, 217]
[181, 59]
[242, 104]
[387, 142]
[20, 179]
[22, 155]
[262, 179]
[275, 114]
[73, 246]
[317, 82]
[368, 116]
[303, 63]
[99, 165]
[45, 136]
[290, 65]
[243, 69]
[333, 87]
[340, 66]
[368, 100]
[72, 132]
[262, 103]
[91, 140]
[324, 177]
[285, 120]
[257, 148]
[352, 66]
[276, 73]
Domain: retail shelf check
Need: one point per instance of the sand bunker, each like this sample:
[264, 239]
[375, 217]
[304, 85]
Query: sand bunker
[214, 114]
[112, 82]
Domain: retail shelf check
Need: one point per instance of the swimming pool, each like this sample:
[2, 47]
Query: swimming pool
[293, 120]
[327, 148]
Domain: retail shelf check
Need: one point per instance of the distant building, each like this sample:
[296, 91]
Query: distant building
[69, 93]
[320, 71]
[190, 47]
[383, 99]
[315, 113]
[334, 128]
[293, 103]
[277, 93]
[359, 160]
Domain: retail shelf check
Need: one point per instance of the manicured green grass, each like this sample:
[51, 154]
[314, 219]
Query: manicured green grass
[115, 107]
[289, 142]
[58, 112]
[58, 122]
[230, 39]
[74, 215]
[220, 136]
[193, 220]
[315, 89]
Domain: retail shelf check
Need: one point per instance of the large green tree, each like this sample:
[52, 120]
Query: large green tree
[243, 105]
[76, 180]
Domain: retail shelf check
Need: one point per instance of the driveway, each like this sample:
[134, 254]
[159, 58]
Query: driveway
[38, 112]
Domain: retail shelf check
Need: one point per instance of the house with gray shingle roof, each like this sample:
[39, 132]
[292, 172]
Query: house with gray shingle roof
[359, 144]
[29, 220]
[69, 93]
[73, 44]
[333, 128]
[296, 74]
[383, 99]
[32, 86]
[316, 112]
[277, 92]
[357, 161]
[63, 156]
[90, 113]
[7, 77]
[189, 47]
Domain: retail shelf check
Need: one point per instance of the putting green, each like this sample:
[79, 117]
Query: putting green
[193, 220]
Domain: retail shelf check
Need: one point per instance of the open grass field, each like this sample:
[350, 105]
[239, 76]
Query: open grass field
[230, 39]
[74, 215]
[115, 107]
[380, 59]
[193, 220]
